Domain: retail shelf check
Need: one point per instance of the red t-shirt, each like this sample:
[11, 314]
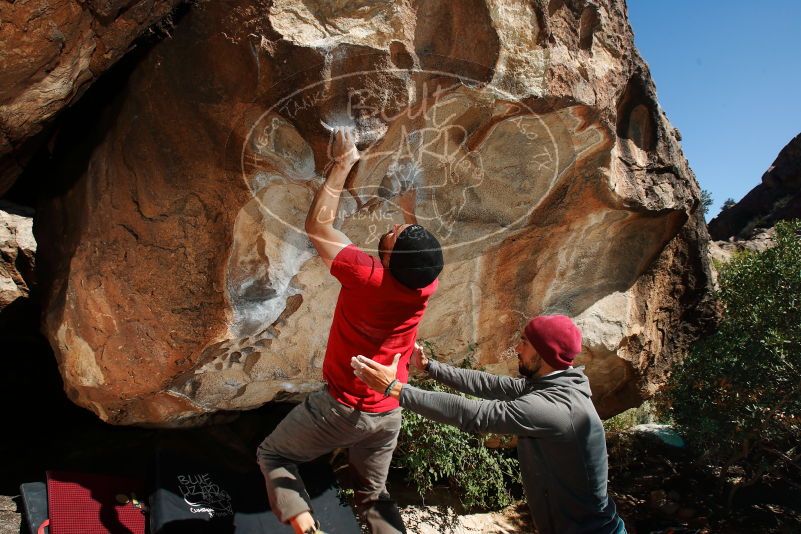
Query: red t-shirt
[376, 316]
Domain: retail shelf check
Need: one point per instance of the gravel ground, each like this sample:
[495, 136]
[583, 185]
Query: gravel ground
[444, 520]
[10, 518]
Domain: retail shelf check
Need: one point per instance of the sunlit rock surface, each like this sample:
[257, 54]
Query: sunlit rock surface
[179, 282]
[17, 251]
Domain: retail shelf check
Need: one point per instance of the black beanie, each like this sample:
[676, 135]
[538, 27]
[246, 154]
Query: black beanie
[416, 259]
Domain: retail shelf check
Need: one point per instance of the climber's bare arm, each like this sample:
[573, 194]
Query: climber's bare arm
[320, 220]
[408, 204]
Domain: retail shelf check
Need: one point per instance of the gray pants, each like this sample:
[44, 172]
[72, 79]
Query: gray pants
[316, 427]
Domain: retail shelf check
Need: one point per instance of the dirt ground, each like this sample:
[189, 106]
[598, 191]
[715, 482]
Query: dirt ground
[663, 489]
[658, 489]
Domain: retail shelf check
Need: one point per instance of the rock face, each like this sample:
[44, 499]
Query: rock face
[179, 281]
[723, 251]
[17, 251]
[778, 197]
[50, 52]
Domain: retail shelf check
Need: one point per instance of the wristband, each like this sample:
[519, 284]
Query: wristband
[390, 386]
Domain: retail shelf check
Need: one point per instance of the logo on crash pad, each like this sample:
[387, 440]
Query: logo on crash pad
[204, 496]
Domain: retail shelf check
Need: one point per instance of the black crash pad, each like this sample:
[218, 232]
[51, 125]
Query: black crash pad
[34, 500]
[201, 493]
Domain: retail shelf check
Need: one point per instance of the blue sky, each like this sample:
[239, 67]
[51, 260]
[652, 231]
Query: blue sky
[728, 76]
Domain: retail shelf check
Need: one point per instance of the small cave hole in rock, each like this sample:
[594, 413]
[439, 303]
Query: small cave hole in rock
[587, 26]
[635, 116]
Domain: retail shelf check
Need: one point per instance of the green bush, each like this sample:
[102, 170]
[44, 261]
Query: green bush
[706, 201]
[737, 395]
[434, 453]
[630, 418]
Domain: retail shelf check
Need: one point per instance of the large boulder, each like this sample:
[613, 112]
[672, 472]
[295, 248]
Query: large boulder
[50, 52]
[180, 283]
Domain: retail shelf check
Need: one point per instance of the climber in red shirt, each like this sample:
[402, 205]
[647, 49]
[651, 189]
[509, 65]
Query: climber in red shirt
[379, 308]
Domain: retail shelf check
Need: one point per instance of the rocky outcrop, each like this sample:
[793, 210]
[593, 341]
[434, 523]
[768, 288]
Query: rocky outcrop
[17, 252]
[778, 197]
[50, 52]
[723, 251]
[179, 281]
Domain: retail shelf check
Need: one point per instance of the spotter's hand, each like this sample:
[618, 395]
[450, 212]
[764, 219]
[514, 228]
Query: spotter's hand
[419, 360]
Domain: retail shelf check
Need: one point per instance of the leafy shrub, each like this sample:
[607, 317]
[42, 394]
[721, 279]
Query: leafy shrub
[737, 395]
[630, 418]
[728, 203]
[706, 201]
[433, 453]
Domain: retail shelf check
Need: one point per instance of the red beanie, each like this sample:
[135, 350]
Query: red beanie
[555, 338]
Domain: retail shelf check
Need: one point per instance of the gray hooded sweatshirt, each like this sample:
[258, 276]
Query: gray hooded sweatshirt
[561, 445]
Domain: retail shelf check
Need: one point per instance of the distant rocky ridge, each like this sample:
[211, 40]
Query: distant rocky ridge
[778, 197]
